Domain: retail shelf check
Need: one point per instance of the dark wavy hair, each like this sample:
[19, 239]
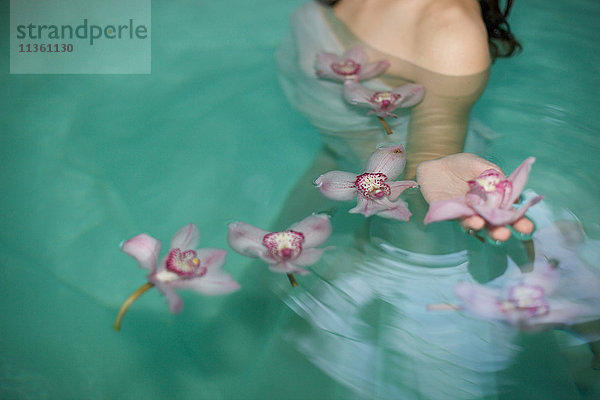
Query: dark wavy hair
[501, 40]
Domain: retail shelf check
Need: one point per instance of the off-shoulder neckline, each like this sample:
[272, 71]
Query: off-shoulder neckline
[348, 38]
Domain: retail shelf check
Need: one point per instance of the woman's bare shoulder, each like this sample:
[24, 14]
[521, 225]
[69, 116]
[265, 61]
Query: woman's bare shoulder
[445, 36]
[451, 38]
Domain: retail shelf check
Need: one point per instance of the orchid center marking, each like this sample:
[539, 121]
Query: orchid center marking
[384, 99]
[346, 68]
[284, 245]
[372, 185]
[526, 298]
[488, 182]
[184, 263]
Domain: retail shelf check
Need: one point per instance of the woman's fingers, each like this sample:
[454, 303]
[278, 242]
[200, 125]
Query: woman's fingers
[499, 233]
[523, 225]
[474, 222]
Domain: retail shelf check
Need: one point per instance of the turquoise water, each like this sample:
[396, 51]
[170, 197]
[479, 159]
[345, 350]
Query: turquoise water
[91, 160]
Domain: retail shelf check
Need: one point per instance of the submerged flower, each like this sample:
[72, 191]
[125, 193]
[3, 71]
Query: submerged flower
[375, 188]
[184, 267]
[526, 300]
[526, 304]
[352, 65]
[491, 196]
[382, 103]
[287, 251]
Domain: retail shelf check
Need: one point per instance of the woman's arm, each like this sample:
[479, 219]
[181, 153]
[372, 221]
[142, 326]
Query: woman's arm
[451, 48]
[445, 44]
[438, 125]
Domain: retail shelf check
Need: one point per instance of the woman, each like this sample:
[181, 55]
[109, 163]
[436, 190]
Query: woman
[446, 46]
[365, 305]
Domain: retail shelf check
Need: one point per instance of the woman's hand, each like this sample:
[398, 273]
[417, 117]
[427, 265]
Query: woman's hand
[447, 177]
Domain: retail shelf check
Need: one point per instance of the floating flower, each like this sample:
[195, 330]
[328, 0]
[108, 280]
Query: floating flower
[375, 188]
[491, 196]
[352, 65]
[184, 267]
[526, 304]
[286, 251]
[382, 103]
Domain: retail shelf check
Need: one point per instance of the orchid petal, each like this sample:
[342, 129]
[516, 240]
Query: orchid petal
[369, 207]
[213, 283]
[373, 69]
[357, 94]
[186, 237]
[337, 185]
[246, 239]
[518, 178]
[494, 200]
[498, 216]
[448, 209]
[395, 210]
[316, 230]
[398, 187]
[211, 258]
[475, 196]
[356, 54]
[287, 267]
[411, 94]
[310, 256]
[365, 206]
[325, 59]
[322, 66]
[479, 299]
[382, 114]
[173, 299]
[545, 275]
[268, 258]
[389, 161]
[145, 249]
[560, 313]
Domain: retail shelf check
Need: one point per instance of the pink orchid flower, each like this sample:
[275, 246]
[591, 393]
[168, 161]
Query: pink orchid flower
[526, 304]
[352, 65]
[375, 188]
[382, 103]
[491, 196]
[286, 251]
[184, 267]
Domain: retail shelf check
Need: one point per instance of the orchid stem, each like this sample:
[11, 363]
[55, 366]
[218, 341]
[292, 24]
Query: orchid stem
[385, 125]
[133, 297]
[293, 281]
